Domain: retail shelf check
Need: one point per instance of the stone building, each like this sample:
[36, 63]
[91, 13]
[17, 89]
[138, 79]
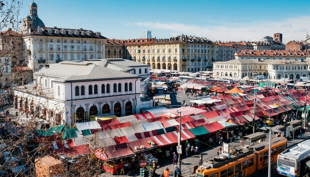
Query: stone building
[181, 53]
[46, 45]
[70, 92]
[225, 51]
[272, 55]
[114, 48]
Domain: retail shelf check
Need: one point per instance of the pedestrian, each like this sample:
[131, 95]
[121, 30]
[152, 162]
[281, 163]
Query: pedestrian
[221, 140]
[166, 172]
[200, 159]
[192, 149]
[175, 158]
[177, 171]
[219, 151]
[187, 150]
[154, 168]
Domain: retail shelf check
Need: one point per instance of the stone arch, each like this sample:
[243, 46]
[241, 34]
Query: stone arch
[105, 108]
[291, 76]
[80, 115]
[118, 109]
[93, 110]
[164, 66]
[158, 66]
[153, 65]
[175, 67]
[304, 75]
[235, 75]
[222, 74]
[128, 108]
[279, 76]
[217, 73]
[297, 76]
[230, 74]
[169, 66]
[226, 74]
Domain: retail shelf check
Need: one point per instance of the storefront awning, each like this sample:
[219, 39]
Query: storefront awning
[185, 134]
[199, 131]
[210, 115]
[295, 123]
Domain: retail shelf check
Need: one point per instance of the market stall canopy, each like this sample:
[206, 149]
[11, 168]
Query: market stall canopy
[213, 127]
[83, 140]
[185, 134]
[165, 139]
[295, 123]
[115, 133]
[88, 125]
[141, 145]
[279, 127]
[227, 124]
[199, 131]
[126, 118]
[143, 135]
[185, 111]
[211, 114]
[185, 119]
[235, 90]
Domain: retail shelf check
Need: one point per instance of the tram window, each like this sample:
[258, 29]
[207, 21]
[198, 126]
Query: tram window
[216, 175]
[274, 151]
[224, 173]
[238, 168]
[280, 149]
[244, 164]
[265, 155]
[261, 157]
[251, 162]
[230, 171]
[211, 175]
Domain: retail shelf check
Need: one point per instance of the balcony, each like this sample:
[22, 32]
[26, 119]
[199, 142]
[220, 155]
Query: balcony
[184, 60]
[175, 60]
[41, 61]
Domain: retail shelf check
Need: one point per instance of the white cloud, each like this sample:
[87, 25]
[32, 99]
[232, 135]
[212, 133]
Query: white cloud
[291, 28]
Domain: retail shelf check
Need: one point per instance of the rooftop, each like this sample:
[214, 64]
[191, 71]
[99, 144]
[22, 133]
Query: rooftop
[81, 71]
[278, 53]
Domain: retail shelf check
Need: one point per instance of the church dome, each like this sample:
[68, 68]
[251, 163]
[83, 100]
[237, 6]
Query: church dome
[36, 21]
[33, 4]
[28, 17]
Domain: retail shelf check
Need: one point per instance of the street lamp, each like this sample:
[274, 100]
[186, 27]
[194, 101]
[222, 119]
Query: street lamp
[179, 140]
[305, 107]
[269, 129]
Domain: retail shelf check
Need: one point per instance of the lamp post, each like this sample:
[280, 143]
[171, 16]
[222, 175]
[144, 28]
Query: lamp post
[179, 140]
[269, 149]
[305, 107]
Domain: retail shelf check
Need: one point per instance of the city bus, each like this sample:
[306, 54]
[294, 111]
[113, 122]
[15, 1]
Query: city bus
[249, 159]
[293, 162]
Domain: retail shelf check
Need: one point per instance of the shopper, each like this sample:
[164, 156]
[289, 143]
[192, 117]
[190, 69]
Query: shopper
[219, 151]
[175, 158]
[166, 172]
[177, 171]
[200, 159]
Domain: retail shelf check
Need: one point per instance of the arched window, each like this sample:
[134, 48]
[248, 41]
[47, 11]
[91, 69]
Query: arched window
[140, 71]
[82, 90]
[108, 88]
[119, 87]
[130, 86]
[95, 89]
[102, 88]
[58, 89]
[114, 88]
[90, 90]
[126, 87]
[77, 90]
[145, 70]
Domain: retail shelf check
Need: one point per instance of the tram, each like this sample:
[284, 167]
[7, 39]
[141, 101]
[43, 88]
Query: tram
[245, 159]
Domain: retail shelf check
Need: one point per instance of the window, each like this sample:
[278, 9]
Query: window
[145, 70]
[130, 86]
[58, 89]
[102, 88]
[265, 155]
[216, 174]
[82, 90]
[251, 162]
[238, 168]
[51, 40]
[224, 173]
[119, 87]
[90, 90]
[114, 88]
[230, 171]
[77, 90]
[65, 41]
[126, 87]
[280, 149]
[108, 88]
[244, 164]
[140, 71]
[95, 89]
[58, 40]
[72, 41]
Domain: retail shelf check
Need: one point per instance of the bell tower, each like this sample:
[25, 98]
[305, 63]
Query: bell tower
[33, 9]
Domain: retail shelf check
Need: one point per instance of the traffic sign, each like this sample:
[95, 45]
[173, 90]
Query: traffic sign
[143, 164]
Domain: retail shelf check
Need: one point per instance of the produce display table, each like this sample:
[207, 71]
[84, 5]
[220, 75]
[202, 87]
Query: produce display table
[112, 168]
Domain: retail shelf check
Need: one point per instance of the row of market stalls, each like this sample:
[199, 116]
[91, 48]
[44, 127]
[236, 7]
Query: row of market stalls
[158, 127]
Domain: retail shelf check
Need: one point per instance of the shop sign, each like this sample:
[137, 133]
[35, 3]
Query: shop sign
[179, 149]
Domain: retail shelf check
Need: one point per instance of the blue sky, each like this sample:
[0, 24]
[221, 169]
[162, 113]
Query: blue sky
[215, 19]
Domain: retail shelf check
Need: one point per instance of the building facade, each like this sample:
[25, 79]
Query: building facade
[271, 55]
[114, 48]
[270, 69]
[225, 51]
[82, 89]
[44, 45]
[297, 46]
[182, 53]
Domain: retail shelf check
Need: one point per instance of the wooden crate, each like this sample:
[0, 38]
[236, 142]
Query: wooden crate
[48, 167]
